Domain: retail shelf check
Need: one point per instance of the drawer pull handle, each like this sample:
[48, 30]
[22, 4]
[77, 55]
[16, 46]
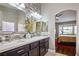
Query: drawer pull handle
[20, 51]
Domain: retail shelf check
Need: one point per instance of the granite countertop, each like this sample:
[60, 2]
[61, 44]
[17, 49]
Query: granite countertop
[5, 46]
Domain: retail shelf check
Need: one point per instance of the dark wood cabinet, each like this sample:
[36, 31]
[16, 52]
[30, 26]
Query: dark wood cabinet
[34, 52]
[42, 51]
[38, 48]
[44, 45]
[34, 49]
[42, 48]
[47, 45]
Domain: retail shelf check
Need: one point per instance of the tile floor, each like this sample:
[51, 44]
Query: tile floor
[52, 53]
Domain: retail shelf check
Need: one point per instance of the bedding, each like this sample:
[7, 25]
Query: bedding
[68, 43]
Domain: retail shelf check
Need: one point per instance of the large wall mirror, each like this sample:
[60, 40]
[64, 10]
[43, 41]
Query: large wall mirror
[11, 20]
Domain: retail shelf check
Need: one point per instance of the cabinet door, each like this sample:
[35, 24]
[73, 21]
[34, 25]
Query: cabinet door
[42, 49]
[47, 44]
[34, 52]
[44, 45]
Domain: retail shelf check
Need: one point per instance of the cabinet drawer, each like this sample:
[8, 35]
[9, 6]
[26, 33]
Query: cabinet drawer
[42, 45]
[42, 41]
[47, 44]
[14, 53]
[34, 44]
[47, 39]
[17, 51]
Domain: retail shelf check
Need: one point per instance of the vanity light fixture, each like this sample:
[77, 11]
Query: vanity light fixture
[36, 15]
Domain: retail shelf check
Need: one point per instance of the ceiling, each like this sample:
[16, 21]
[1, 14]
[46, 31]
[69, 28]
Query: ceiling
[65, 16]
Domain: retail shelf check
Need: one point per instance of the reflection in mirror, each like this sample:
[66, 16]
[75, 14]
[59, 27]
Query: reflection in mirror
[29, 25]
[44, 27]
[7, 26]
[38, 26]
[21, 28]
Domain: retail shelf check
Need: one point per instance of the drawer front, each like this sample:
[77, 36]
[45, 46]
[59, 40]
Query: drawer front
[47, 39]
[35, 44]
[26, 47]
[42, 41]
[42, 44]
[17, 51]
[8, 53]
[21, 52]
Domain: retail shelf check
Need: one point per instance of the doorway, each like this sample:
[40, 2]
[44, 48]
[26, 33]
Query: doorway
[66, 30]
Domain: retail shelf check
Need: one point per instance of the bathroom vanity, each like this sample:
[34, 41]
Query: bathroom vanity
[36, 46]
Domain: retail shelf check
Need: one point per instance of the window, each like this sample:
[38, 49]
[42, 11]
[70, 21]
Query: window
[7, 26]
[67, 30]
[21, 28]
